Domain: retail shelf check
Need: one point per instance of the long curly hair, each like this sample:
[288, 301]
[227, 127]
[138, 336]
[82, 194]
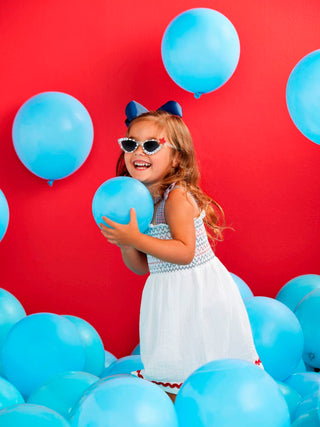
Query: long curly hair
[186, 174]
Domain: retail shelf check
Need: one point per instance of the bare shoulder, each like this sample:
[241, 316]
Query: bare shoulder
[180, 201]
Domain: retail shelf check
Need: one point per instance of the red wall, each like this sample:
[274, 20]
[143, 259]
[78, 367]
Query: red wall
[254, 161]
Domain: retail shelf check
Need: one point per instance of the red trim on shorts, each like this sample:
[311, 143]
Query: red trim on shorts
[171, 385]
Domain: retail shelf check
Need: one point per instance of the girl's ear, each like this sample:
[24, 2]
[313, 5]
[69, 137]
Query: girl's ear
[176, 159]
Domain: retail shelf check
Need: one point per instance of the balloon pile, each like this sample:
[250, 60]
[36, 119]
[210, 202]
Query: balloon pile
[55, 371]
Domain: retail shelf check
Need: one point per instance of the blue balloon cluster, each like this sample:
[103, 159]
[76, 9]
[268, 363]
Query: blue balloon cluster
[52, 366]
[200, 50]
[52, 135]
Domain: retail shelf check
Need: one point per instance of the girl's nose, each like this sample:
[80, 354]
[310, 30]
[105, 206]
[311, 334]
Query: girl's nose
[139, 150]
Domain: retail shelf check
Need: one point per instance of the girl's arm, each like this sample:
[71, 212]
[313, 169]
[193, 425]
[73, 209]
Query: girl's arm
[180, 211]
[135, 260]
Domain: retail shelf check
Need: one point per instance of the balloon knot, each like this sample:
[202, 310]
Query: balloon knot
[197, 95]
[50, 182]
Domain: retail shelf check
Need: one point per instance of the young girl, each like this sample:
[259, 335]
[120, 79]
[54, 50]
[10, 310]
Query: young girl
[191, 309]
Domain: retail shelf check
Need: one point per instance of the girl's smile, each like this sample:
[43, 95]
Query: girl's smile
[149, 169]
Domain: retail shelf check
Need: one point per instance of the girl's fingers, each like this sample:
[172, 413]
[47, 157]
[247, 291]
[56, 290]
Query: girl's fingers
[109, 221]
[133, 216]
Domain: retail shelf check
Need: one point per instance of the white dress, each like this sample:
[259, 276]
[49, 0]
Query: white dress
[190, 314]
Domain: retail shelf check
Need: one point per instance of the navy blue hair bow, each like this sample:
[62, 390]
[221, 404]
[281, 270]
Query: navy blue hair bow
[134, 109]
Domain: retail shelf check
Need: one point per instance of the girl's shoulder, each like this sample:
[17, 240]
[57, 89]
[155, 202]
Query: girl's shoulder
[178, 197]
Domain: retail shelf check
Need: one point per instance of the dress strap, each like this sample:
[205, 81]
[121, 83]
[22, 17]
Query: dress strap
[170, 188]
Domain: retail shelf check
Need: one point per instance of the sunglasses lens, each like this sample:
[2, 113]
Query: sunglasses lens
[151, 145]
[128, 145]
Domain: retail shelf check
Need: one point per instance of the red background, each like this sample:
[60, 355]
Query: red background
[253, 159]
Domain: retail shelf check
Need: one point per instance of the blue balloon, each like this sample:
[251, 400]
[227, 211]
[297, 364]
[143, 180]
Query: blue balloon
[109, 358]
[305, 383]
[93, 345]
[11, 311]
[124, 365]
[308, 404]
[4, 215]
[136, 350]
[297, 288]
[28, 415]
[302, 367]
[292, 397]
[308, 314]
[200, 50]
[303, 96]
[231, 392]
[124, 401]
[244, 289]
[310, 419]
[63, 391]
[277, 335]
[52, 135]
[9, 395]
[38, 347]
[116, 196]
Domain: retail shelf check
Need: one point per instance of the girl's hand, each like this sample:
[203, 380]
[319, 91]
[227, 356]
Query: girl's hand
[122, 235]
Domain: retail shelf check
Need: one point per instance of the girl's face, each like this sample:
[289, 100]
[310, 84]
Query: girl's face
[149, 169]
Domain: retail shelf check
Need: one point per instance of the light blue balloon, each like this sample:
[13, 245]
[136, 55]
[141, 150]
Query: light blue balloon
[302, 367]
[38, 347]
[303, 96]
[52, 135]
[116, 196]
[136, 350]
[305, 383]
[292, 397]
[277, 335]
[93, 345]
[11, 311]
[308, 314]
[310, 419]
[308, 404]
[124, 365]
[297, 288]
[244, 289]
[9, 395]
[200, 50]
[229, 393]
[28, 415]
[124, 401]
[4, 215]
[63, 391]
[109, 358]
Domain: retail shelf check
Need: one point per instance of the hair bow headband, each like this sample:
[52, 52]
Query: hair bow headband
[134, 109]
